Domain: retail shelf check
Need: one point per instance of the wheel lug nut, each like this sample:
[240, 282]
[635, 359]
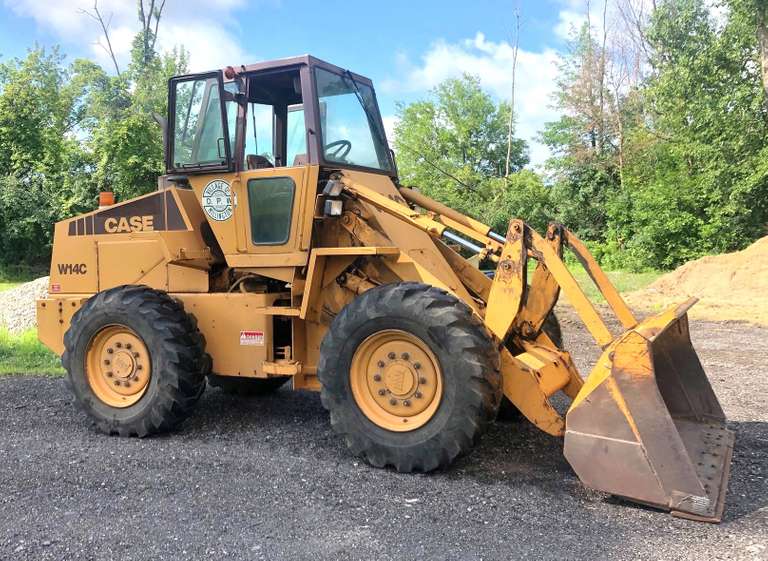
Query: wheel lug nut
[106, 362]
[391, 356]
[128, 346]
[109, 374]
[405, 356]
[422, 380]
[119, 345]
[407, 403]
[110, 351]
[117, 382]
[127, 384]
[417, 365]
[380, 364]
[417, 395]
[135, 355]
[393, 401]
[382, 392]
[377, 377]
[139, 367]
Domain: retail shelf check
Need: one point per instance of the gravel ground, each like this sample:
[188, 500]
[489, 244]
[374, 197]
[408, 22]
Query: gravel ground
[267, 479]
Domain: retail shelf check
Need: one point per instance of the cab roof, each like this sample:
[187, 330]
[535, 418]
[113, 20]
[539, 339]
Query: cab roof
[295, 61]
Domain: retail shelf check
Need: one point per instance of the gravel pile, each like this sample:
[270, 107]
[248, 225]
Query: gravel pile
[17, 306]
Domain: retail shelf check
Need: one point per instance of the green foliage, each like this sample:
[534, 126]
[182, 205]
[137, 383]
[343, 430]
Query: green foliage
[39, 155]
[676, 168]
[651, 171]
[124, 138]
[70, 131]
[24, 354]
[454, 146]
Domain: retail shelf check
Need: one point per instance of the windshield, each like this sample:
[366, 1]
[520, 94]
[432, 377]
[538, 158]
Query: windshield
[350, 127]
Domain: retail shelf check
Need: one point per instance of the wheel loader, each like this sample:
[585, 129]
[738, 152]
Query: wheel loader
[280, 247]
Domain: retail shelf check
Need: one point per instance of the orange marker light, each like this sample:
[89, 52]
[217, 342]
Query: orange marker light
[106, 198]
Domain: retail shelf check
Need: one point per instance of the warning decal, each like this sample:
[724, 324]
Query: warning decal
[252, 338]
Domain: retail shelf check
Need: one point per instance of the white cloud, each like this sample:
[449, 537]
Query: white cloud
[390, 122]
[491, 62]
[211, 41]
[569, 22]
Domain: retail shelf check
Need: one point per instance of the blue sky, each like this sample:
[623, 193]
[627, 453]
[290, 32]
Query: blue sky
[406, 47]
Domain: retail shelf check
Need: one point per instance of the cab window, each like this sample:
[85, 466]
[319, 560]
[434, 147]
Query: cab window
[198, 126]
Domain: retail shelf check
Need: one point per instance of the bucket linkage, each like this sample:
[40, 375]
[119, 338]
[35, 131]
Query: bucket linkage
[645, 424]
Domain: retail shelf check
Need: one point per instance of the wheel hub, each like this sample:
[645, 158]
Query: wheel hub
[124, 365]
[396, 380]
[118, 366]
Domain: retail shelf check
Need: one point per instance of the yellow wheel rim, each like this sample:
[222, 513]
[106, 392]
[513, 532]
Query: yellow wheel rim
[118, 366]
[396, 380]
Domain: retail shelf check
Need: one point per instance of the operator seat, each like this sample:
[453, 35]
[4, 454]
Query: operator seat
[255, 161]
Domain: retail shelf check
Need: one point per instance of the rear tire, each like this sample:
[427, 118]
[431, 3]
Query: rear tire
[135, 361]
[460, 370]
[247, 387]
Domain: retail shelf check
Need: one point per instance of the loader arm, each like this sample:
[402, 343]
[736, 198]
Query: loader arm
[645, 424]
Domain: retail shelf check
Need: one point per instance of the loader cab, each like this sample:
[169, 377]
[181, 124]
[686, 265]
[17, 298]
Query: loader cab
[268, 133]
[295, 112]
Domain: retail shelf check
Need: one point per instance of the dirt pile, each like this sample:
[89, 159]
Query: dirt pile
[732, 286]
[17, 305]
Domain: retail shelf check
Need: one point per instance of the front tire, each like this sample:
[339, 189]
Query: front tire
[410, 377]
[135, 361]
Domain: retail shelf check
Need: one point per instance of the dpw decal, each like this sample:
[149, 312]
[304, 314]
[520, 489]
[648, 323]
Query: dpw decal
[73, 269]
[217, 200]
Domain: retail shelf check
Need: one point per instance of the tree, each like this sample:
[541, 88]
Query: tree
[701, 185]
[454, 146]
[40, 114]
[69, 131]
[670, 164]
[124, 137]
[585, 167]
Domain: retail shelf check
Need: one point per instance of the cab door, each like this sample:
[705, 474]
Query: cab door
[274, 200]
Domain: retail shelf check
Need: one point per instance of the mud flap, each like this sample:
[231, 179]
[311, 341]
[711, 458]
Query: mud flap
[647, 426]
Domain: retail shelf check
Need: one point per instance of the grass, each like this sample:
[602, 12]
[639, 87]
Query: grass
[24, 354]
[623, 281]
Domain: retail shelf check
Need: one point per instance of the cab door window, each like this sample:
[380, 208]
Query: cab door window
[297, 137]
[259, 136]
[270, 200]
[275, 132]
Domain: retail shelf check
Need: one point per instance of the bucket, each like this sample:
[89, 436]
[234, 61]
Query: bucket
[647, 426]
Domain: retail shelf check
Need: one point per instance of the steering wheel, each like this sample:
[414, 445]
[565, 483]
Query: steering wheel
[338, 149]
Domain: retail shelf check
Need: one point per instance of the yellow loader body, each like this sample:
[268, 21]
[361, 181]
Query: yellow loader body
[242, 269]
